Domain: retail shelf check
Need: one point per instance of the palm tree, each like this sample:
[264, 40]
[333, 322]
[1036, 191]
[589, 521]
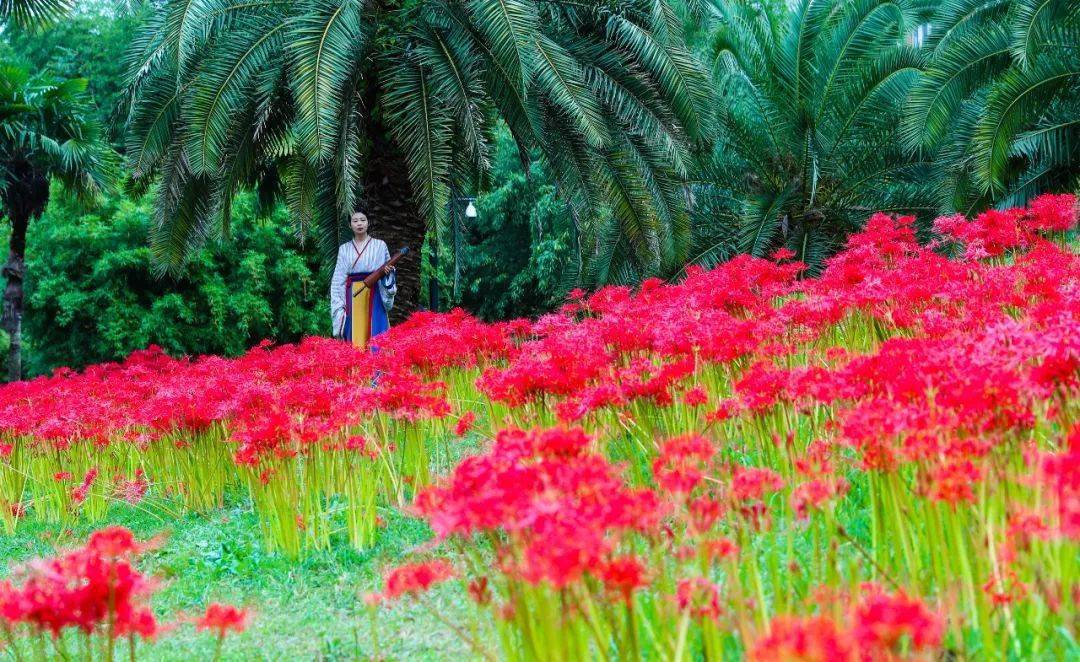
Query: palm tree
[32, 13]
[809, 99]
[47, 132]
[999, 105]
[390, 105]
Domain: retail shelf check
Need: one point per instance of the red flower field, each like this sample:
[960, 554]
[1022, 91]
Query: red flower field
[880, 462]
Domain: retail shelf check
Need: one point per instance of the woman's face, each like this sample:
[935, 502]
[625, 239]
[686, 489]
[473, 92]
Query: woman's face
[359, 223]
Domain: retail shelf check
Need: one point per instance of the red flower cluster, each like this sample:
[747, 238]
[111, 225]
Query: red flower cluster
[754, 483]
[562, 506]
[624, 575]
[882, 620]
[727, 415]
[95, 589]
[615, 347]
[682, 462]
[1059, 476]
[221, 618]
[810, 639]
[994, 231]
[879, 625]
[699, 597]
[412, 579]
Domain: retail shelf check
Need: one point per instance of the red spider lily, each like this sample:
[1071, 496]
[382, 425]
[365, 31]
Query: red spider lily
[723, 548]
[696, 397]
[754, 483]
[1059, 476]
[816, 493]
[955, 481]
[1005, 590]
[479, 591]
[624, 575]
[222, 618]
[114, 542]
[993, 232]
[562, 506]
[78, 495]
[782, 254]
[132, 490]
[699, 597]
[1052, 213]
[812, 639]
[881, 620]
[415, 578]
[465, 423]
[903, 375]
[92, 589]
[1025, 526]
[704, 511]
[681, 463]
[359, 444]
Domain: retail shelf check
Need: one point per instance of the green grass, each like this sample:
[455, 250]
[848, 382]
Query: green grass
[301, 609]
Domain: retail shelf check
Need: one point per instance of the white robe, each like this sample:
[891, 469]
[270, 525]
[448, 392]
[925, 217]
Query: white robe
[374, 256]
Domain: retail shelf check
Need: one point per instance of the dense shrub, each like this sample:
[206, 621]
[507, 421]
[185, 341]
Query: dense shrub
[93, 294]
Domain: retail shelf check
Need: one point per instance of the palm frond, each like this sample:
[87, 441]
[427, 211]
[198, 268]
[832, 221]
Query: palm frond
[508, 28]
[1017, 98]
[953, 74]
[28, 14]
[220, 90]
[559, 77]
[422, 129]
[762, 220]
[183, 216]
[676, 73]
[325, 44]
[629, 198]
[454, 74]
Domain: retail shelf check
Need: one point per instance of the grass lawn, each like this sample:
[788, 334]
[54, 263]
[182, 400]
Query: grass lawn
[301, 610]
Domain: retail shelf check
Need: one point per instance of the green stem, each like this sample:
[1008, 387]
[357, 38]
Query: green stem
[473, 643]
[219, 645]
[9, 636]
[680, 643]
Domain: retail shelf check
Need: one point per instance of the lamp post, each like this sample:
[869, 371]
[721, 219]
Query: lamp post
[433, 288]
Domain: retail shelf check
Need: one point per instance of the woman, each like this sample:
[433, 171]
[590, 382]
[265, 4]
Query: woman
[356, 313]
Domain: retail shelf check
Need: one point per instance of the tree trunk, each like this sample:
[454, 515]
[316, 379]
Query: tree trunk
[387, 200]
[11, 318]
[24, 198]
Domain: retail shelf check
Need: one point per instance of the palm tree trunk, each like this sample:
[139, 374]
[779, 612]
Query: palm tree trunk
[387, 200]
[24, 198]
[14, 273]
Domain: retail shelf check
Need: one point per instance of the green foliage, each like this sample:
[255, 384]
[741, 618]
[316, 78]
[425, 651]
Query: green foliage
[90, 44]
[998, 107]
[93, 296]
[48, 132]
[809, 100]
[512, 257]
[282, 95]
[48, 129]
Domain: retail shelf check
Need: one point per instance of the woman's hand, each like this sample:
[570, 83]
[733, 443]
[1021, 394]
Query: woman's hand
[387, 270]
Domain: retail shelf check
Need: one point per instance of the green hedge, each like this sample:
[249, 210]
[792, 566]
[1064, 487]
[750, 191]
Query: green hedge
[92, 293]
